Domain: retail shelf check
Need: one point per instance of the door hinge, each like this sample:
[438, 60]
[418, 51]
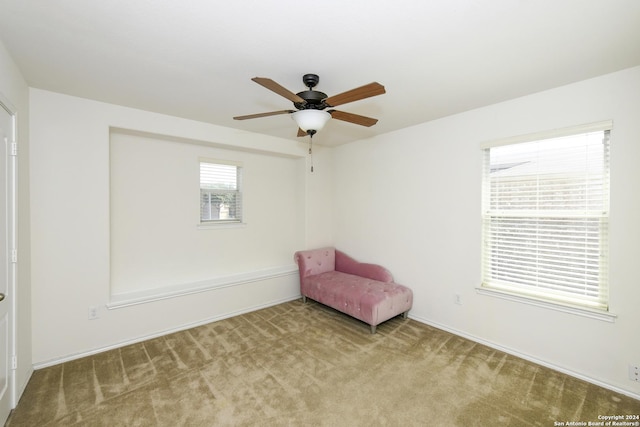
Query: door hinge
[14, 362]
[14, 149]
[14, 255]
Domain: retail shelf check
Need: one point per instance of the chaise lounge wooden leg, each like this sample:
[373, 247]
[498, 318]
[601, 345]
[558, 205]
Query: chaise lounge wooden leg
[405, 315]
[304, 299]
[373, 329]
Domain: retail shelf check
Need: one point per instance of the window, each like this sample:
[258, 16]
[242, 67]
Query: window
[545, 217]
[220, 192]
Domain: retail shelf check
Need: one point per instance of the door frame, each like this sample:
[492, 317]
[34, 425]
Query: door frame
[12, 244]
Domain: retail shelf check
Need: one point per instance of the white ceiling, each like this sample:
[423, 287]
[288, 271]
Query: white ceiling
[195, 58]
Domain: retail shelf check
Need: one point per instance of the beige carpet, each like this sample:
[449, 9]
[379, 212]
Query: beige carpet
[301, 364]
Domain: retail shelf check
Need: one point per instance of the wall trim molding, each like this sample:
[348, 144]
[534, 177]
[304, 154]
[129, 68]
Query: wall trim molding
[525, 356]
[147, 296]
[70, 357]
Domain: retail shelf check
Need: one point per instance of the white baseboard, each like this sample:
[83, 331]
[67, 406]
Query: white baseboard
[136, 340]
[19, 390]
[525, 357]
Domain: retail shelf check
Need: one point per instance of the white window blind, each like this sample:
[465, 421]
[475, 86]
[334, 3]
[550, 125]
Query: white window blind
[220, 192]
[545, 218]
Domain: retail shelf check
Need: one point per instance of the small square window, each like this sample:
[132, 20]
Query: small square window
[220, 192]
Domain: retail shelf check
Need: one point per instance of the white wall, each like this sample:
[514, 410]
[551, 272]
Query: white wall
[410, 200]
[70, 190]
[13, 90]
[319, 199]
[156, 241]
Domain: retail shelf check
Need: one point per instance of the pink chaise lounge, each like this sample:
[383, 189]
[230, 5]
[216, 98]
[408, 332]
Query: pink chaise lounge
[364, 291]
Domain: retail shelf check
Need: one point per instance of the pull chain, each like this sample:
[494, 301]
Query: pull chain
[311, 132]
[311, 150]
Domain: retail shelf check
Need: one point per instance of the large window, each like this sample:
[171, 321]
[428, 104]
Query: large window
[545, 216]
[220, 192]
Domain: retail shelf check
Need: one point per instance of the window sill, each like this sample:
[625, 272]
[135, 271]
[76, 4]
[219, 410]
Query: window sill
[218, 225]
[564, 308]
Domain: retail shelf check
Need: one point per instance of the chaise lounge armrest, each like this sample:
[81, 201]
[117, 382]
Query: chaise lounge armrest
[346, 264]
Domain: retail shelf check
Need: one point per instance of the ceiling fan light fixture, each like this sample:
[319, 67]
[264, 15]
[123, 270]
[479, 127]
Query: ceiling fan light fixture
[311, 119]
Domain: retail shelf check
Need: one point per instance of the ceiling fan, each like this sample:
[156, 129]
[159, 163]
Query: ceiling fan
[315, 108]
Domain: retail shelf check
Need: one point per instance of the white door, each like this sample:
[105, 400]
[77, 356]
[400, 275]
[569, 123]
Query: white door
[7, 263]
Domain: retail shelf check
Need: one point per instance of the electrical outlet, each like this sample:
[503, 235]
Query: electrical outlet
[634, 373]
[93, 312]
[457, 299]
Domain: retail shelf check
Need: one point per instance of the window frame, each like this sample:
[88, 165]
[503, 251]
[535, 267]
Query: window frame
[522, 293]
[238, 191]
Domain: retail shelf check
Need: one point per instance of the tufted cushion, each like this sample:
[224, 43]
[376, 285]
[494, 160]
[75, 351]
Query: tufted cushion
[369, 300]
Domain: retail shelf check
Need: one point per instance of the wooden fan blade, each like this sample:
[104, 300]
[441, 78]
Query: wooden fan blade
[301, 133]
[362, 92]
[270, 113]
[280, 90]
[353, 118]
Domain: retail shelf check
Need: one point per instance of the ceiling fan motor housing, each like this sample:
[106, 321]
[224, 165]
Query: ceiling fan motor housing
[314, 99]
